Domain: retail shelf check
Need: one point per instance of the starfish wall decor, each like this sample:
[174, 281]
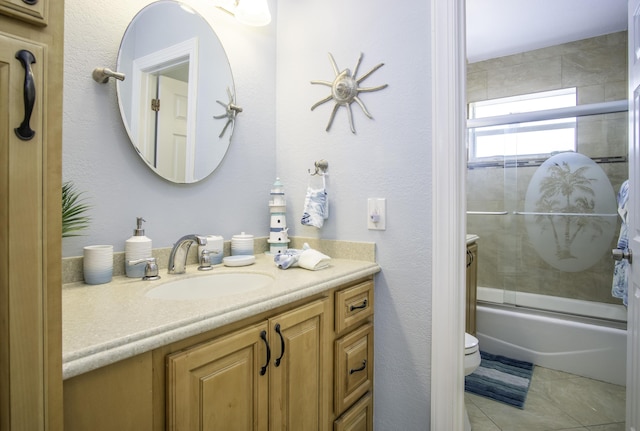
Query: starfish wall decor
[231, 110]
[345, 90]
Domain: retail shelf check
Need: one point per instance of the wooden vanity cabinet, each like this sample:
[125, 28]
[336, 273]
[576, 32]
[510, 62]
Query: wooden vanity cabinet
[296, 368]
[115, 397]
[219, 385]
[353, 358]
[472, 287]
[269, 376]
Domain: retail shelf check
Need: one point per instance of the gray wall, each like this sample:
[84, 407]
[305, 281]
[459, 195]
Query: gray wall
[278, 135]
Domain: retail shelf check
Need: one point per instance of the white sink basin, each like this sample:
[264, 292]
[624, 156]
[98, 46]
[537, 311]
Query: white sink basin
[211, 286]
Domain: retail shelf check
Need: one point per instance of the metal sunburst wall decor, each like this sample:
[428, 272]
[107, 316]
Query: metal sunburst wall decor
[345, 89]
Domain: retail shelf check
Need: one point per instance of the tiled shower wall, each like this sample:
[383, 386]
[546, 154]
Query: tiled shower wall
[598, 68]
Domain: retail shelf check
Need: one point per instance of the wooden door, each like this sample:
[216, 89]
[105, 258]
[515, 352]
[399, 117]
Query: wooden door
[220, 385]
[298, 390]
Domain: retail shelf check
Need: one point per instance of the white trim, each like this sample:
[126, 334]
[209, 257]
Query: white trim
[448, 67]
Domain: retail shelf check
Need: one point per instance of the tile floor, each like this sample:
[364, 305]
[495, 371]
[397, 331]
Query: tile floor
[556, 401]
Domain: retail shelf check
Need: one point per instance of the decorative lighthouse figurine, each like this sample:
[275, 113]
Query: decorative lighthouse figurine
[278, 238]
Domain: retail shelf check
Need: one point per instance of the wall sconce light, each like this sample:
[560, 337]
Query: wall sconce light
[249, 12]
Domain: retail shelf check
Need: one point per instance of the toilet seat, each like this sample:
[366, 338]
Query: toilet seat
[470, 344]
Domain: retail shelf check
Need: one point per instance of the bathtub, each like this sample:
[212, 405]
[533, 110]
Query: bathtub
[584, 346]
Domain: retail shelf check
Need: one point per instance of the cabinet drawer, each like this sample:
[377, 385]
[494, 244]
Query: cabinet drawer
[353, 367]
[357, 418]
[353, 305]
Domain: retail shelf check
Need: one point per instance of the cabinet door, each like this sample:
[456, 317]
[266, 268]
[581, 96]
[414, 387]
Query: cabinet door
[298, 391]
[219, 386]
[34, 11]
[22, 286]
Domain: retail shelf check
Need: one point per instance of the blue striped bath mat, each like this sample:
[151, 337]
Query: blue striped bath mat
[501, 379]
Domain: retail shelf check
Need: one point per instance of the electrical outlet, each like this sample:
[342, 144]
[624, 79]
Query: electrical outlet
[376, 214]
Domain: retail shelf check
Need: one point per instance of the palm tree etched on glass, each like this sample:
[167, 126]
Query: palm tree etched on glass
[570, 211]
[563, 183]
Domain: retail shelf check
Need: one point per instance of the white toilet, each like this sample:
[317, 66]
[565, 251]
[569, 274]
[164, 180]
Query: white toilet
[471, 363]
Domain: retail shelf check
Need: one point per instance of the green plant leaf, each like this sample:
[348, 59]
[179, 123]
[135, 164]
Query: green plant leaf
[74, 207]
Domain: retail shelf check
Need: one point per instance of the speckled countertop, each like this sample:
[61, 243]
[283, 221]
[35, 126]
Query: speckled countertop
[103, 324]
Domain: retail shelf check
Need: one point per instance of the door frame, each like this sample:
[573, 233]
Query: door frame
[448, 67]
[448, 90]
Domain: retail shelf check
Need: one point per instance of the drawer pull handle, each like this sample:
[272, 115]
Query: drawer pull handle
[355, 370]
[263, 335]
[356, 307]
[24, 131]
[277, 362]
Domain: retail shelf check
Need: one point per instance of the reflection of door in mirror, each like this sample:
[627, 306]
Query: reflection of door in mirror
[151, 73]
[174, 157]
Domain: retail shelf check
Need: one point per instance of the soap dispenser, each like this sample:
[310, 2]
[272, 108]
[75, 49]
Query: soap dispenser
[136, 247]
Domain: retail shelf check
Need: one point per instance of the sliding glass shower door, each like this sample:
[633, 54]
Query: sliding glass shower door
[541, 196]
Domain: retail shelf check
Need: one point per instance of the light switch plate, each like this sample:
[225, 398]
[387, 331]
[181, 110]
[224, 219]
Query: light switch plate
[377, 214]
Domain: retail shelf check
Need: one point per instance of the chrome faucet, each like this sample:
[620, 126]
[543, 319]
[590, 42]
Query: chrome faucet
[178, 256]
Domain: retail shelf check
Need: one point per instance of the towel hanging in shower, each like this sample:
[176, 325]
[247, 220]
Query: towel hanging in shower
[621, 269]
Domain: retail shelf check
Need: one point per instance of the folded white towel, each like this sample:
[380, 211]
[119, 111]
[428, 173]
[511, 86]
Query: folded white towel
[313, 260]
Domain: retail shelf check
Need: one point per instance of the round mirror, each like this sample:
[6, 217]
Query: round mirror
[170, 55]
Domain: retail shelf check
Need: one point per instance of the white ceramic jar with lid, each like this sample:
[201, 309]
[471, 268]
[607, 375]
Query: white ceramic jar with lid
[242, 244]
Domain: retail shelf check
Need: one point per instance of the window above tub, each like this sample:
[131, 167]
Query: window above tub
[511, 140]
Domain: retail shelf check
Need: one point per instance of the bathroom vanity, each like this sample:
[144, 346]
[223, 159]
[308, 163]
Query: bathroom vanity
[295, 355]
[472, 284]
